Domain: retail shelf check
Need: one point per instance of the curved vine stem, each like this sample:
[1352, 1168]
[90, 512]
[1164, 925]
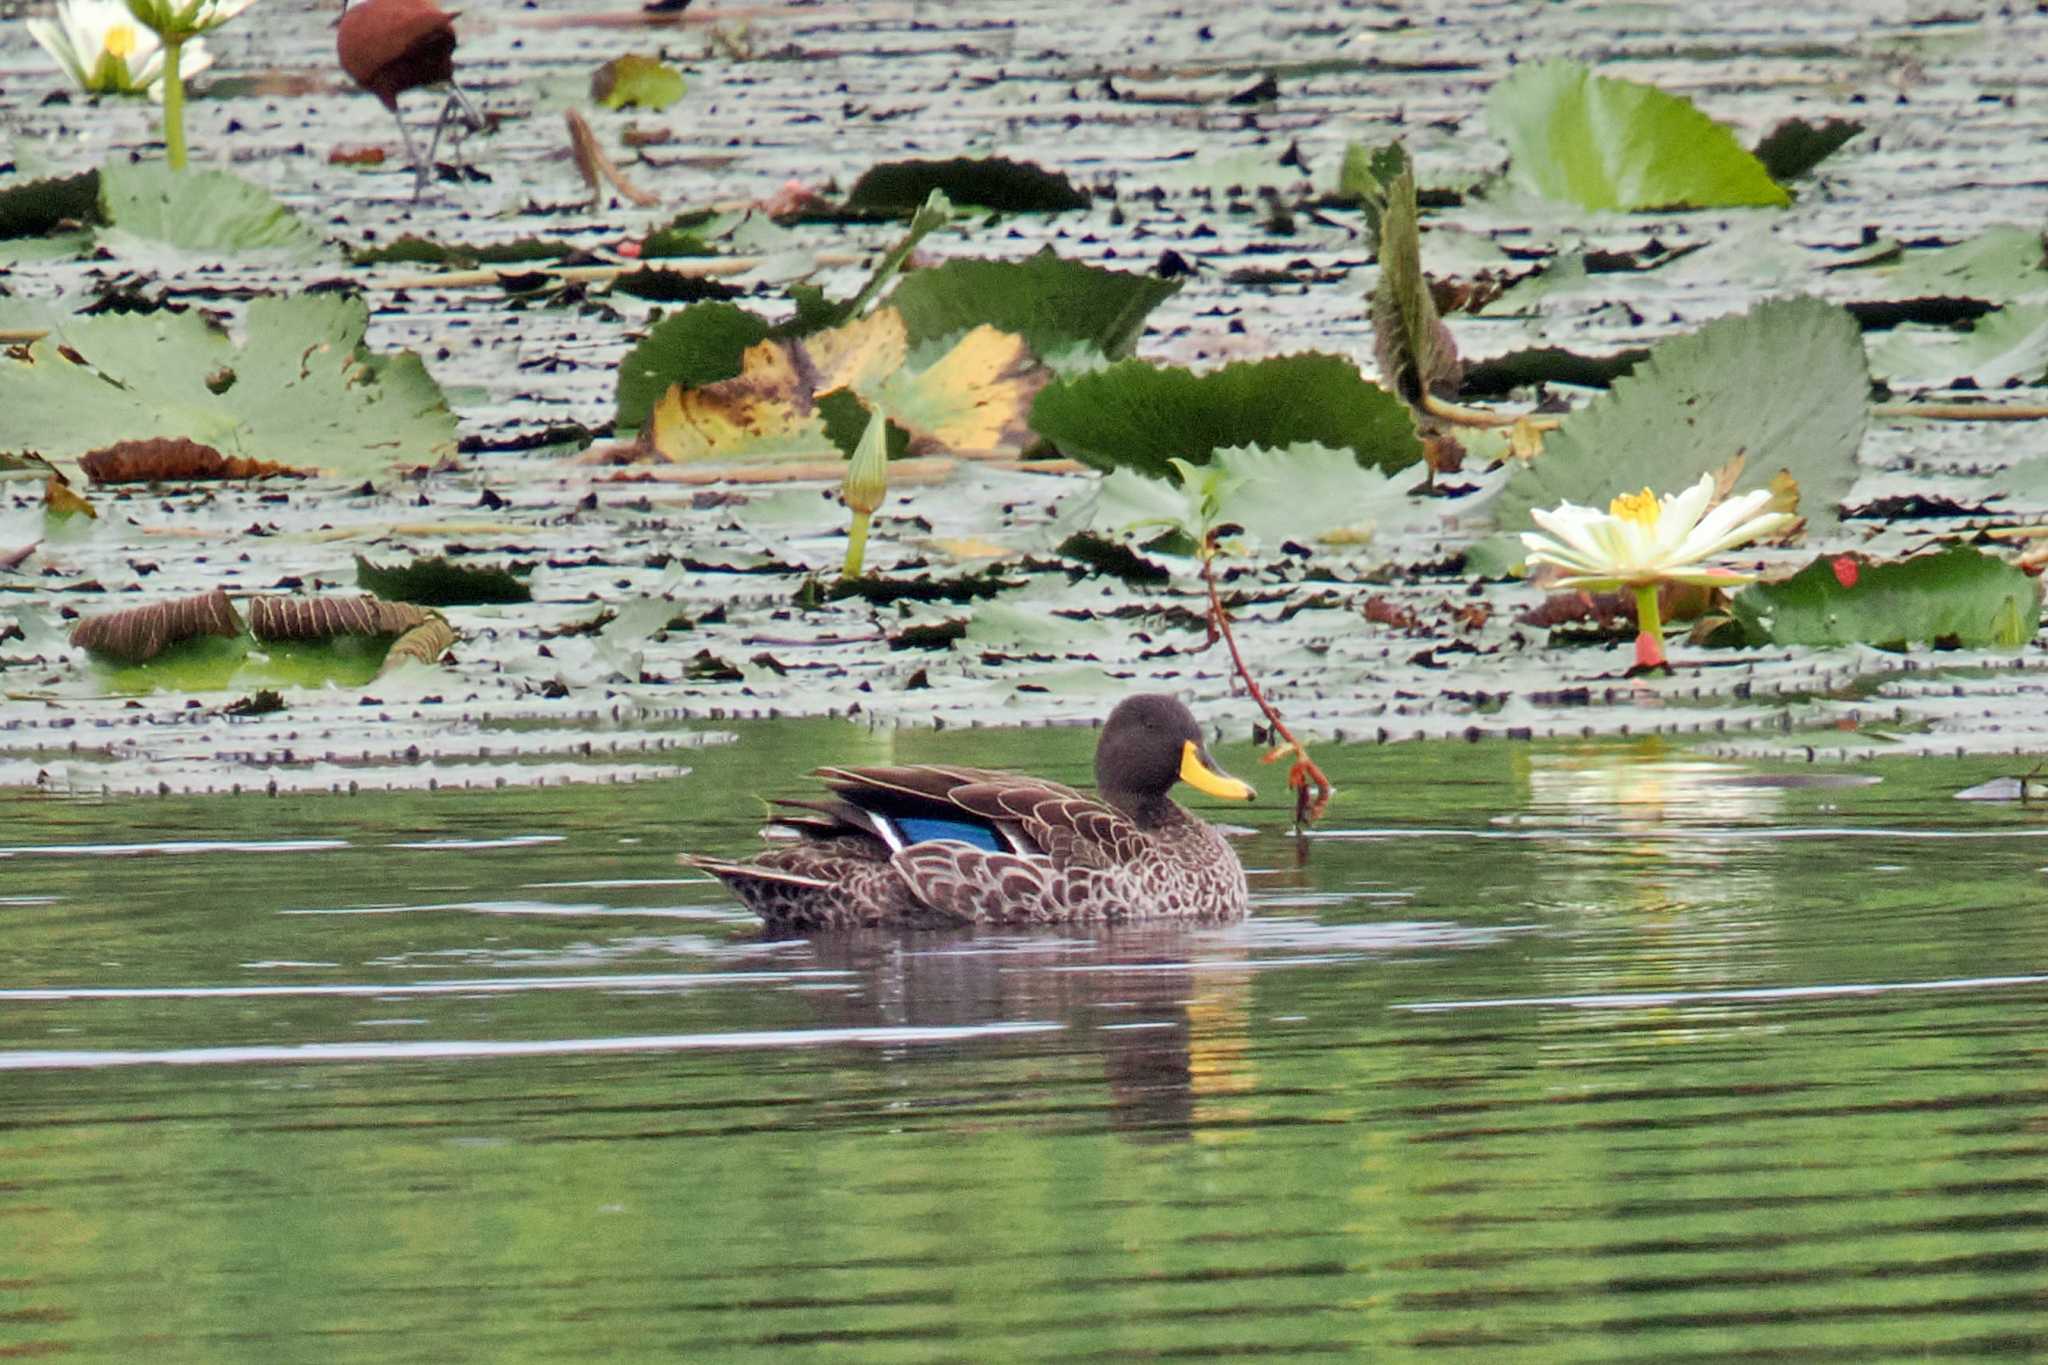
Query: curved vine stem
[1312, 790]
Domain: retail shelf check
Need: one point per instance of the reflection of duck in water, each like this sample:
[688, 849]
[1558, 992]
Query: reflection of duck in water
[1157, 1002]
[935, 845]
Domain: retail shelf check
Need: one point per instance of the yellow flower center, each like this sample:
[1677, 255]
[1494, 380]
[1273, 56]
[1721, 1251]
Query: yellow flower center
[1642, 507]
[121, 41]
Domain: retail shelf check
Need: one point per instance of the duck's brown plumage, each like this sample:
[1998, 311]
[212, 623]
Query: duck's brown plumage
[1063, 855]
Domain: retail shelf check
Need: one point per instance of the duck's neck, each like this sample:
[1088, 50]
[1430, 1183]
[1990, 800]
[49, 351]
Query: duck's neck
[1148, 812]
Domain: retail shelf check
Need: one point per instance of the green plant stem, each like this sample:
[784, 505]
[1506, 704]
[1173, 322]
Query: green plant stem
[1312, 790]
[1649, 621]
[856, 545]
[174, 104]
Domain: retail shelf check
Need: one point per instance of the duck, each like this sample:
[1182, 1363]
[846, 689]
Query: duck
[931, 845]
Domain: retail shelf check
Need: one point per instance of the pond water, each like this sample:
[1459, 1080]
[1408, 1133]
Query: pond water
[1554, 1053]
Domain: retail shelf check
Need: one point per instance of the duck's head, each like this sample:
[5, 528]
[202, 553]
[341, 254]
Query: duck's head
[1149, 743]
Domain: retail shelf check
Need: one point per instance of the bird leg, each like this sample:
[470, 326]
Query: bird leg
[457, 102]
[420, 169]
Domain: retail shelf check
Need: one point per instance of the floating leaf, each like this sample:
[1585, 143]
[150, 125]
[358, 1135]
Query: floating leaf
[206, 211]
[2004, 264]
[167, 459]
[142, 633]
[988, 182]
[975, 399]
[302, 389]
[1956, 596]
[1795, 146]
[412, 250]
[1601, 143]
[1135, 415]
[700, 345]
[437, 582]
[43, 206]
[1307, 494]
[636, 81]
[1050, 302]
[2005, 344]
[425, 643]
[275, 618]
[1783, 385]
[771, 408]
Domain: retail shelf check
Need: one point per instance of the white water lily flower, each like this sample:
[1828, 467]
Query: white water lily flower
[106, 52]
[1642, 539]
[185, 19]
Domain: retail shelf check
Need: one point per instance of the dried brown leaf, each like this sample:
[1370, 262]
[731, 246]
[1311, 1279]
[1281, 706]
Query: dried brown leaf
[596, 167]
[425, 642]
[326, 618]
[164, 459]
[142, 633]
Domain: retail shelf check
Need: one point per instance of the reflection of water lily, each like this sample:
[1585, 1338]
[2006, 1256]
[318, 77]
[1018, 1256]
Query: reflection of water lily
[1642, 540]
[105, 51]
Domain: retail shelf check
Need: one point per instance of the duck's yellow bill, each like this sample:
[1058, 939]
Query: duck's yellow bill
[1203, 778]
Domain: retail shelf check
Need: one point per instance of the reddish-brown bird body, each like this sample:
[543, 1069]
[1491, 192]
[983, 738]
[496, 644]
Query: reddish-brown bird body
[391, 46]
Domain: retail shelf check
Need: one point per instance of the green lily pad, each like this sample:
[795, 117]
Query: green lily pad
[1784, 385]
[700, 345]
[209, 211]
[1956, 596]
[439, 582]
[40, 207]
[1308, 494]
[1139, 416]
[2005, 264]
[411, 250]
[1601, 143]
[1795, 146]
[987, 182]
[302, 390]
[1053, 304]
[636, 81]
[2006, 344]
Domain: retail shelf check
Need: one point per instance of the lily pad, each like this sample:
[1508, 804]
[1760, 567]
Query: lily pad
[2009, 343]
[1139, 416]
[43, 206]
[1602, 143]
[636, 81]
[1784, 385]
[1307, 494]
[302, 389]
[987, 182]
[1795, 146]
[209, 211]
[438, 582]
[2005, 264]
[1052, 303]
[1956, 596]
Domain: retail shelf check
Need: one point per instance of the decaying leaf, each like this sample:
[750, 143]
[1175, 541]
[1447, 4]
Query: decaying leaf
[60, 499]
[596, 168]
[424, 643]
[277, 618]
[142, 633]
[165, 459]
[1415, 352]
[976, 399]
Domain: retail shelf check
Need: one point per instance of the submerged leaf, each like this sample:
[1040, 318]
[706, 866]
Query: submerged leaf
[1601, 143]
[1956, 596]
[1135, 415]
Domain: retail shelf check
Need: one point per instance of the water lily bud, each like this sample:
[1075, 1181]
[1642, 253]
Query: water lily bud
[867, 477]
